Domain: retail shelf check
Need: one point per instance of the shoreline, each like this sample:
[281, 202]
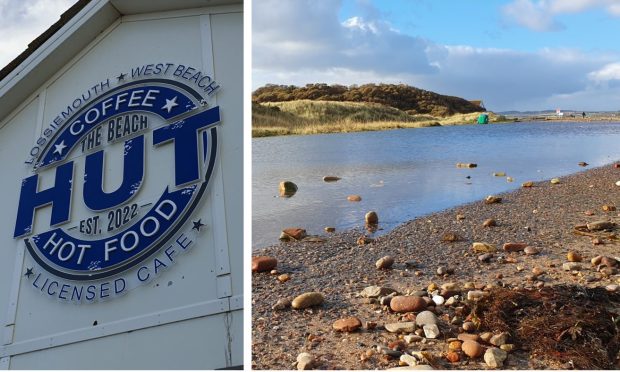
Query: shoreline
[542, 216]
[342, 127]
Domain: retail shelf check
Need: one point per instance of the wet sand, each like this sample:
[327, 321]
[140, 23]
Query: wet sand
[543, 216]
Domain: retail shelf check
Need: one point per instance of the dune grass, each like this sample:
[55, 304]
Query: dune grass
[314, 117]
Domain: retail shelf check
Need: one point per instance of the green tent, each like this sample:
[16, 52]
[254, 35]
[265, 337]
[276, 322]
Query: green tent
[483, 119]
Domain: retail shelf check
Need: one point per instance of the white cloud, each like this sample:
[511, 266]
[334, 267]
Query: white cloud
[541, 15]
[607, 73]
[310, 45]
[21, 21]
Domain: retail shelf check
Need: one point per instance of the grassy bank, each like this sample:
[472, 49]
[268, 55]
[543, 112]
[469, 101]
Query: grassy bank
[313, 117]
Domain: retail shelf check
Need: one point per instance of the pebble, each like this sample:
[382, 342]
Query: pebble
[600, 225]
[489, 222]
[480, 247]
[476, 295]
[472, 348]
[596, 260]
[287, 188]
[442, 270]
[495, 357]
[330, 229]
[491, 199]
[609, 208]
[452, 357]
[296, 233]
[469, 326]
[499, 174]
[354, 198]
[410, 360]
[466, 165]
[485, 257]
[612, 288]
[387, 351]
[350, 324]
[460, 217]
[617, 183]
[305, 361]
[537, 271]
[363, 240]
[438, 300]
[573, 256]
[401, 327]
[385, 263]
[486, 336]
[263, 263]
[412, 338]
[284, 278]
[375, 291]
[555, 181]
[282, 304]
[608, 261]
[331, 178]
[530, 251]
[450, 237]
[468, 337]
[507, 347]
[426, 317]
[308, 299]
[570, 266]
[371, 218]
[499, 339]
[431, 331]
[514, 247]
[451, 301]
[404, 304]
[527, 184]
[509, 179]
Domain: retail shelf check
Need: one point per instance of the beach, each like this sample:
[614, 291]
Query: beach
[430, 252]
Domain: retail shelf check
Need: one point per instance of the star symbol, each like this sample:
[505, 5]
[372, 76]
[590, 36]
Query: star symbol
[61, 146]
[170, 103]
[29, 272]
[197, 225]
[121, 77]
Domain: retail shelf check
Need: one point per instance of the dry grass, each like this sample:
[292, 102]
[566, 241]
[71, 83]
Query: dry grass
[314, 117]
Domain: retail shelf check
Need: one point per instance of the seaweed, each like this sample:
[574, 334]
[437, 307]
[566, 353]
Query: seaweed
[567, 325]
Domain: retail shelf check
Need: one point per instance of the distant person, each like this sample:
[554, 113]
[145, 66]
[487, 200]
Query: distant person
[583, 115]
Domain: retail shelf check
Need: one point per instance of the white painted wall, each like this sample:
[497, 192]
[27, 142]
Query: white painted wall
[49, 334]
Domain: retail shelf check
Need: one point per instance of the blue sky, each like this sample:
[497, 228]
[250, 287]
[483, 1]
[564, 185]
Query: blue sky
[513, 54]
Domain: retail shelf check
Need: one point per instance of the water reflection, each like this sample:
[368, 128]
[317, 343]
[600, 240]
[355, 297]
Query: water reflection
[407, 173]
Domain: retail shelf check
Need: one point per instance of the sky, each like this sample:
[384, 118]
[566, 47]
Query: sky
[21, 21]
[513, 54]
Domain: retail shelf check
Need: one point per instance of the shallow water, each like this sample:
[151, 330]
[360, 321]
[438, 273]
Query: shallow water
[406, 173]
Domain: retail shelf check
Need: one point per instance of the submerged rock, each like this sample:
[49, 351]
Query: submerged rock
[287, 188]
[354, 198]
[331, 178]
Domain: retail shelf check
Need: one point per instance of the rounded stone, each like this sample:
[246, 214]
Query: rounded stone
[347, 324]
[354, 198]
[263, 263]
[573, 256]
[306, 300]
[530, 251]
[385, 263]
[284, 278]
[527, 184]
[468, 337]
[489, 222]
[371, 218]
[455, 345]
[514, 247]
[555, 181]
[404, 304]
[287, 188]
[469, 326]
[426, 317]
[608, 261]
[472, 349]
[452, 357]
